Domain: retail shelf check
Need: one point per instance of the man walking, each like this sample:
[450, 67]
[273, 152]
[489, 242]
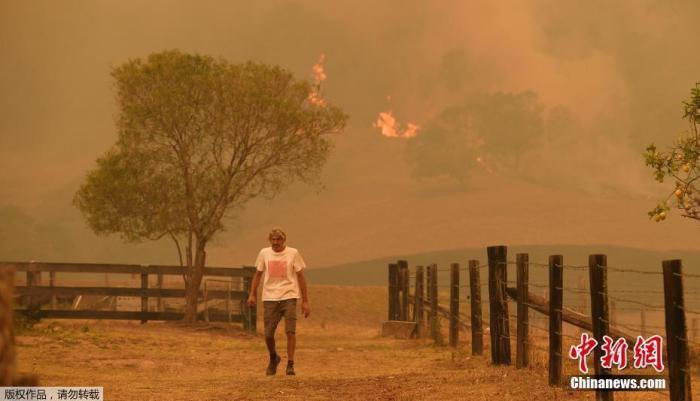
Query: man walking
[282, 270]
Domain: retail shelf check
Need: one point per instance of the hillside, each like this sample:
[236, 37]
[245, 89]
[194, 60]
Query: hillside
[374, 272]
[627, 289]
[391, 218]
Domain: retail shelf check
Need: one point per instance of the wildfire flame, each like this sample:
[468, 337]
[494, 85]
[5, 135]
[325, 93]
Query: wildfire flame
[411, 130]
[319, 75]
[391, 129]
[317, 69]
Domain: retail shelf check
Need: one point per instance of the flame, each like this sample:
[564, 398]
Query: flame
[316, 99]
[387, 123]
[391, 129]
[411, 130]
[318, 71]
[319, 75]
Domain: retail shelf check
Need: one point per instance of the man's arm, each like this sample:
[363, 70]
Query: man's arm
[252, 296]
[305, 308]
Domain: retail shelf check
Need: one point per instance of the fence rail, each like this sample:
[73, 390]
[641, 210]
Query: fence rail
[128, 315]
[36, 296]
[122, 269]
[44, 292]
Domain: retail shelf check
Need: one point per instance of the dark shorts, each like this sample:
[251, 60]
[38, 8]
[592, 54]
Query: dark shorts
[273, 312]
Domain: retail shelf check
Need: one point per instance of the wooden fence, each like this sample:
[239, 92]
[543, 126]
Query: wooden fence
[37, 297]
[9, 375]
[7, 337]
[404, 306]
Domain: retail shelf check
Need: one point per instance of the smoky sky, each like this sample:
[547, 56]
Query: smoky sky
[610, 77]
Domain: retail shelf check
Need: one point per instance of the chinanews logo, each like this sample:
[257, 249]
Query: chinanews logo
[646, 353]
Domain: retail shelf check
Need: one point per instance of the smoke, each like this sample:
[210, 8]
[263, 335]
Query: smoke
[610, 78]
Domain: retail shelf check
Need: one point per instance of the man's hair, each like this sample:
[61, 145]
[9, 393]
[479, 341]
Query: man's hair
[277, 231]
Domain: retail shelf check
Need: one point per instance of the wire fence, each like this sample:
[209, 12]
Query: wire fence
[636, 306]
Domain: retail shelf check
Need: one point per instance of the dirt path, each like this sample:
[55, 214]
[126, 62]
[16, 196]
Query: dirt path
[340, 356]
[160, 361]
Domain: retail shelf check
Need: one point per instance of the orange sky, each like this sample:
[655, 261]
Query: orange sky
[620, 69]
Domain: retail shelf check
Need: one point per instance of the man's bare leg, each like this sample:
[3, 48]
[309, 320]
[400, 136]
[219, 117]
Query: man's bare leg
[291, 345]
[270, 342]
[274, 358]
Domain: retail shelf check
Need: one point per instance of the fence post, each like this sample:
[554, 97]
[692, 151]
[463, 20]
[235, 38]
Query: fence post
[52, 283]
[676, 331]
[159, 285]
[206, 302]
[428, 280]
[418, 302]
[454, 304]
[556, 302]
[389, 281]
[598, 277]
[7, 337]
[229, 286]
[521, 352]
[500, 328]
[433, 290]
[399, 293]
[477, 326]
[393, 291]
[144, 297]
[403, 288]
[33, 279]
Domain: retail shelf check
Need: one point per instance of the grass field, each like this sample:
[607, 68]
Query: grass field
[340, 356]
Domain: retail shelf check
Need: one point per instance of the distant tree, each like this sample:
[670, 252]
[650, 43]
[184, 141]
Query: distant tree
[198, 137]
[491, 130]
[509, 123]
[448, 145]
[681, 162]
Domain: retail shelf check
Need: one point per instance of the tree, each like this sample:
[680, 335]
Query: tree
[198, 137]
[509, 123]
[448, 145]
[485, 130]
[681, 162]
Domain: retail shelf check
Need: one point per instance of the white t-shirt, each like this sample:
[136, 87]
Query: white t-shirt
[280, 278]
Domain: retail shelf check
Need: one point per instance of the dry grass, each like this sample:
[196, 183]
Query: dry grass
[340, 356]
